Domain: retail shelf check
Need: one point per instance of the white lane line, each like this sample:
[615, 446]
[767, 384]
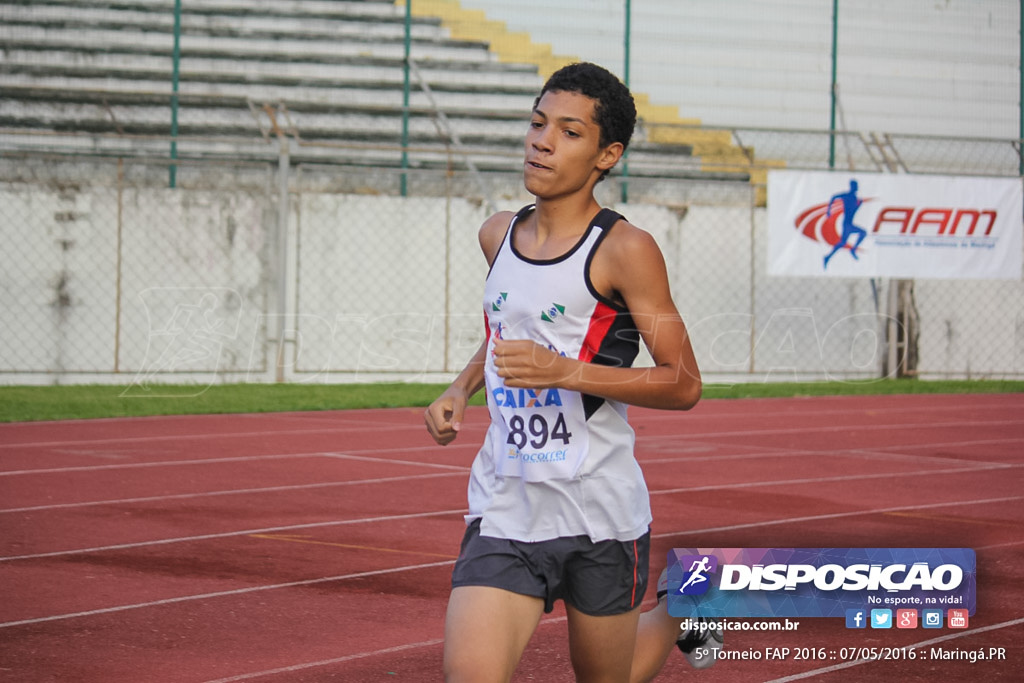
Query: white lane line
[836, 515]
[903, 426]
[229, 534]
[821, 480]
[207, 435]
[221, 594]
[734, 527]
[851, 454]
[328, 662]
[923, 643]
[354, 455]
[417, 477]
[357, 455]
[446, 562]
[693, 444]
[1000, 545]
[845, 428]
[690, 439]
[811, 407]
[231, 492]
[160, 463]
[358, 655]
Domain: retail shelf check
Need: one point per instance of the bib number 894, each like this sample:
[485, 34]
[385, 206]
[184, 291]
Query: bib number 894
[536, 432]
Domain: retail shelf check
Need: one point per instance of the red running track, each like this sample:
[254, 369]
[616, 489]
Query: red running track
[318, 546]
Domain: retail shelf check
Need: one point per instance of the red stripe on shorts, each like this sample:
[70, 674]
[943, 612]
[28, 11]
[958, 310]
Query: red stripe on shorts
[636, 561]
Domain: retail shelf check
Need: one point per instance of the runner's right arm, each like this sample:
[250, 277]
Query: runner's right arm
[444, 416]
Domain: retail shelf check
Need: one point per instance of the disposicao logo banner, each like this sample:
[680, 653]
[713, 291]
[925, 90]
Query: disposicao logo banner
[817, 582]
[885, 225]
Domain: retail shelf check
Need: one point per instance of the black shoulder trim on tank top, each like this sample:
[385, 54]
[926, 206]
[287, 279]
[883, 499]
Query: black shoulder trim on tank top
[624, 331]
[605, 220]
[596, 221]
[520, 214]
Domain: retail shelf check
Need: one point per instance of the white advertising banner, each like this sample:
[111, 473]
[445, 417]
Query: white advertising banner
[834, 224]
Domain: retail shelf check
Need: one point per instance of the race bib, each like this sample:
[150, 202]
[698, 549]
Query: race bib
[544, 434]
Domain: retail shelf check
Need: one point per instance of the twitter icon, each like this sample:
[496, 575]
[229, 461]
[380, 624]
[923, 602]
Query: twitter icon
[881, 618]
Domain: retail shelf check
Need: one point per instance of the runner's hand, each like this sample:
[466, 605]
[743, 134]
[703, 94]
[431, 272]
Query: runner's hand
[526, 364]
[444, 416]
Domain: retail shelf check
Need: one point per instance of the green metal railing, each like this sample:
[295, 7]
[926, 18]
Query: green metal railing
[175, 76]
[405, 97]
[834, 126]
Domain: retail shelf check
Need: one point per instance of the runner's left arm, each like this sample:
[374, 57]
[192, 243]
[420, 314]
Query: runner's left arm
[632, 266]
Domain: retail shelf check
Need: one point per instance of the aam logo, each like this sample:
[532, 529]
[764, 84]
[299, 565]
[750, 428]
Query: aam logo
[815, 225]
[833, 222]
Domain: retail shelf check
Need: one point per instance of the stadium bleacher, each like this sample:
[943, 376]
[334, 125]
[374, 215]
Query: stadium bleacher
[97, 77]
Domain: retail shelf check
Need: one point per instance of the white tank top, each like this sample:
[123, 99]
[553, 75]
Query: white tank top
[557, 463]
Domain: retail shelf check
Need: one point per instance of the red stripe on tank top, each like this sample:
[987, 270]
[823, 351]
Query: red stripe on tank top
[600, 322]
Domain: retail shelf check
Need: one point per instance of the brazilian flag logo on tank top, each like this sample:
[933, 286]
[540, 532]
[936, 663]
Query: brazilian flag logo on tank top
[552, 312]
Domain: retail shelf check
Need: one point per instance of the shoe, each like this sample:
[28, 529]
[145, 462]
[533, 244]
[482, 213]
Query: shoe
[693, 638]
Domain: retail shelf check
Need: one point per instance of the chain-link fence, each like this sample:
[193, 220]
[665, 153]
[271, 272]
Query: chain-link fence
[297, 268]
[108, 274]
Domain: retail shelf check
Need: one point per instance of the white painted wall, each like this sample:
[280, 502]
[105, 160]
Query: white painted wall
[938, 67]
[388, 288]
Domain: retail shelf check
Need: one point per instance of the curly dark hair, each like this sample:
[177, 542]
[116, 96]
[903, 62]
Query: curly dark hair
[614, 110]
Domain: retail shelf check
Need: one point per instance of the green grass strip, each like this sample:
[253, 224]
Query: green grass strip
[25, 403]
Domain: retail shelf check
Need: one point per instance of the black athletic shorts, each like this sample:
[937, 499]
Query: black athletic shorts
[599, 579]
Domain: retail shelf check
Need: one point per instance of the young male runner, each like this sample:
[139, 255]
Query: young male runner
[558, 507]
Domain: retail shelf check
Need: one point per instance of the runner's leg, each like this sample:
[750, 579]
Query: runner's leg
[486, 630]
[601, 648]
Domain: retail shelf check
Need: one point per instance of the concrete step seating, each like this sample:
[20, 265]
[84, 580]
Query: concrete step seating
[96, 76]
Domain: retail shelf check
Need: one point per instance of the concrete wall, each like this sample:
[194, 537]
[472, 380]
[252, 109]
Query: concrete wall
[154, 285]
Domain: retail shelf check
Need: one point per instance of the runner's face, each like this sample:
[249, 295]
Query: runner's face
[563, 146]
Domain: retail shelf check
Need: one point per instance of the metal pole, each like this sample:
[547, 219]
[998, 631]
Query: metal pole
[118, 266]
[405, 97]
[175, 72]
[627, 30]
[283, 169]
[893, 329]
[832, 113]
[752, 292]
[1020, 99]
[445, 129]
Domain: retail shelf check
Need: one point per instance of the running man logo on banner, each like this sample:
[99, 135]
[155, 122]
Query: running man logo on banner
[696, 580]
[882, 225]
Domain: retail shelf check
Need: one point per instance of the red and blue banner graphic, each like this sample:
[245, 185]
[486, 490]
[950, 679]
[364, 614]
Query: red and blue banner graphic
[832, 224]
[819, 582]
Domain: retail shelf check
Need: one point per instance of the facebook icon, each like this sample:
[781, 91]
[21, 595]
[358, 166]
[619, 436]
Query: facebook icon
[856, 618]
